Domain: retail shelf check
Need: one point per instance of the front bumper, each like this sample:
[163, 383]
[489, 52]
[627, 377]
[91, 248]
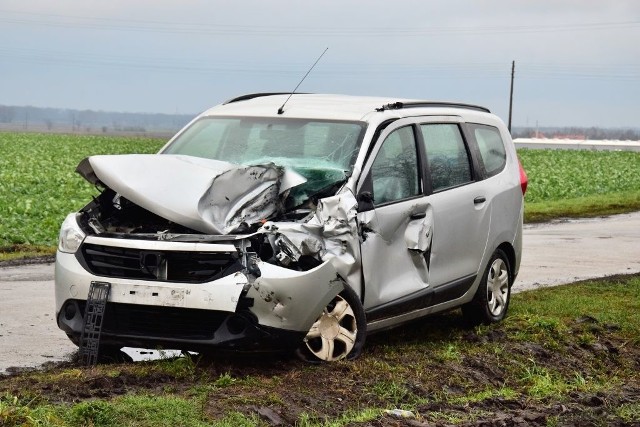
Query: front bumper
[178, 328]
[235, 311]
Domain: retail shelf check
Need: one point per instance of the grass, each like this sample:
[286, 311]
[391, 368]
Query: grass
[19, 251]
[131, 410]
[138, 410]
[538, 359]
[583, 207]
[567, 303]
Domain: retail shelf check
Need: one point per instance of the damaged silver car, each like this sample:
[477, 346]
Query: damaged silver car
[303, 224]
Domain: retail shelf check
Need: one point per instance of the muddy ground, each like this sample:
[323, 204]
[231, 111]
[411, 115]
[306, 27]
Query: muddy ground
[397, 370]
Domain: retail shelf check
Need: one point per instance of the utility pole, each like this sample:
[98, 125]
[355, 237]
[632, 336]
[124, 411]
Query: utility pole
[513, 69]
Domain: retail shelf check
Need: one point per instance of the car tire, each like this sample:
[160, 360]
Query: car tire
[491, 301]
[338, 333]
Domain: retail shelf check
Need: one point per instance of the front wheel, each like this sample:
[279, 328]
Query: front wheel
[339, 332]
[491, 301]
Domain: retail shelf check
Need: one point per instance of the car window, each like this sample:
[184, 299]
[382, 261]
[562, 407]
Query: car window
[395, 170]
[491, 146]
[200, 135]
[284, 141]
[447, 155]
[322, 151]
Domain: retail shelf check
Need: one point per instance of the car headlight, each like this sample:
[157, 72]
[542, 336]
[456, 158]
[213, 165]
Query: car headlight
[71, 236]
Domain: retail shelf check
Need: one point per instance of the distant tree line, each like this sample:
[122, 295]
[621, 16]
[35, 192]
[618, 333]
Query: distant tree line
[590, 133]
[53, 119]
[58, 119]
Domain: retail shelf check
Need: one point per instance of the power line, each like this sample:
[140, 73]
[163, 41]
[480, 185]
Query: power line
[466, 70]
[132, 25]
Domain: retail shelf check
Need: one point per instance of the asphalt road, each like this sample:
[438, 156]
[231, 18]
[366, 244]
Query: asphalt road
[554, 253]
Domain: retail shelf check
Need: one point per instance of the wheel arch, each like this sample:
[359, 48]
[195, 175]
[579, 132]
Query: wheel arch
[510, 252]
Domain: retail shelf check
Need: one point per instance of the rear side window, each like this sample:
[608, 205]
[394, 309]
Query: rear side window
[447, 155]
[491, 146]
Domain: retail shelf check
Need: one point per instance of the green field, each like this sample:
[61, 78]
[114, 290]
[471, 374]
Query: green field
[38, 185]
[567, 183]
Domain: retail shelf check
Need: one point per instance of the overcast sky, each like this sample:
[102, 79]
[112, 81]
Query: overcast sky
[577, 61]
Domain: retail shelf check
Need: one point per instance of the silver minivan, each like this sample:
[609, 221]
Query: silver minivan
[301, 221]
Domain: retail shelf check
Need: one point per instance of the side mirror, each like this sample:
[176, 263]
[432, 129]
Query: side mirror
[365, 201]
[366, 196]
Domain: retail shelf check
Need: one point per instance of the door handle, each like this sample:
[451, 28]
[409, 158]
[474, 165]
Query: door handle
[418, 215]
[480, 199]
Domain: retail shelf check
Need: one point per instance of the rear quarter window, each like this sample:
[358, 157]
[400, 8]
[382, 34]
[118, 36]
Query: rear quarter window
[491, 146]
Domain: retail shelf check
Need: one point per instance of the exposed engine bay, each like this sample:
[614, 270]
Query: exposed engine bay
[112, 216]
[249, 206]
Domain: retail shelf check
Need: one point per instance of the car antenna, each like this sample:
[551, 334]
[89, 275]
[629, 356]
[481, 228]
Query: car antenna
[281, 109]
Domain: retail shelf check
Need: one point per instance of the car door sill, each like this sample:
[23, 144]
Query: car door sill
[421, 299]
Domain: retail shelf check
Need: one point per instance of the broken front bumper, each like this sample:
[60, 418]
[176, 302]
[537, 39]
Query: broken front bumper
[235, 310]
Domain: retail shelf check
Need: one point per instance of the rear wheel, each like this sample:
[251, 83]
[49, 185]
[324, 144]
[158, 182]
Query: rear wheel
[339, 332]
[491, 301]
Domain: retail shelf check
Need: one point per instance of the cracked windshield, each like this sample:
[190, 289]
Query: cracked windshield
[321, 151]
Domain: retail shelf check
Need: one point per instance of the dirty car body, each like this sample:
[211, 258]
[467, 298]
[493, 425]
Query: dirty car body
[260, 228]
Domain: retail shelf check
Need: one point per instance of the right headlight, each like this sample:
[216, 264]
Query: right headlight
[71, 236]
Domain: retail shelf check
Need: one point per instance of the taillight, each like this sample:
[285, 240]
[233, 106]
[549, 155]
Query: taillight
[524, 181]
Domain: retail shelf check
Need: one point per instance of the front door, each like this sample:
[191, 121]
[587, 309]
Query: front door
[396, 230]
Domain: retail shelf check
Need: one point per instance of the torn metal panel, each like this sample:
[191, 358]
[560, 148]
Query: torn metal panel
[241, 196]
[338, 217]
[418, 236]
[395, 249]
[319, 173]
[330, 235]
[211, 196]
[418, 233]
[292, 300]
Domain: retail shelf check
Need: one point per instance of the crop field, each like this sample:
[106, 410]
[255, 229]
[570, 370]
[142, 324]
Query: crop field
[567, 183]
[565, 174]
[38, 185]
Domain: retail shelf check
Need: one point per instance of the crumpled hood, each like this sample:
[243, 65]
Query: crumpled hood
[209, 196]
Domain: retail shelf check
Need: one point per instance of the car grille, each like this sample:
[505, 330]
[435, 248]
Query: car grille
[160, 322]
[170, 266]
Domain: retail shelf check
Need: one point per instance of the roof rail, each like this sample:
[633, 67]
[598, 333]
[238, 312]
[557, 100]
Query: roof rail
[427, 104]
[254, 95]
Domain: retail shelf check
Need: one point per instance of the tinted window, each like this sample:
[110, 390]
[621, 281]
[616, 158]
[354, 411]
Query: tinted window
[447, 155]
[491, 148]
[395, 169]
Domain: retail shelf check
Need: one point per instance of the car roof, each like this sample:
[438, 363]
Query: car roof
[330, 106]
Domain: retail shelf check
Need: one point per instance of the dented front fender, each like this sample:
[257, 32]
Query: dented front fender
[293, 300]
